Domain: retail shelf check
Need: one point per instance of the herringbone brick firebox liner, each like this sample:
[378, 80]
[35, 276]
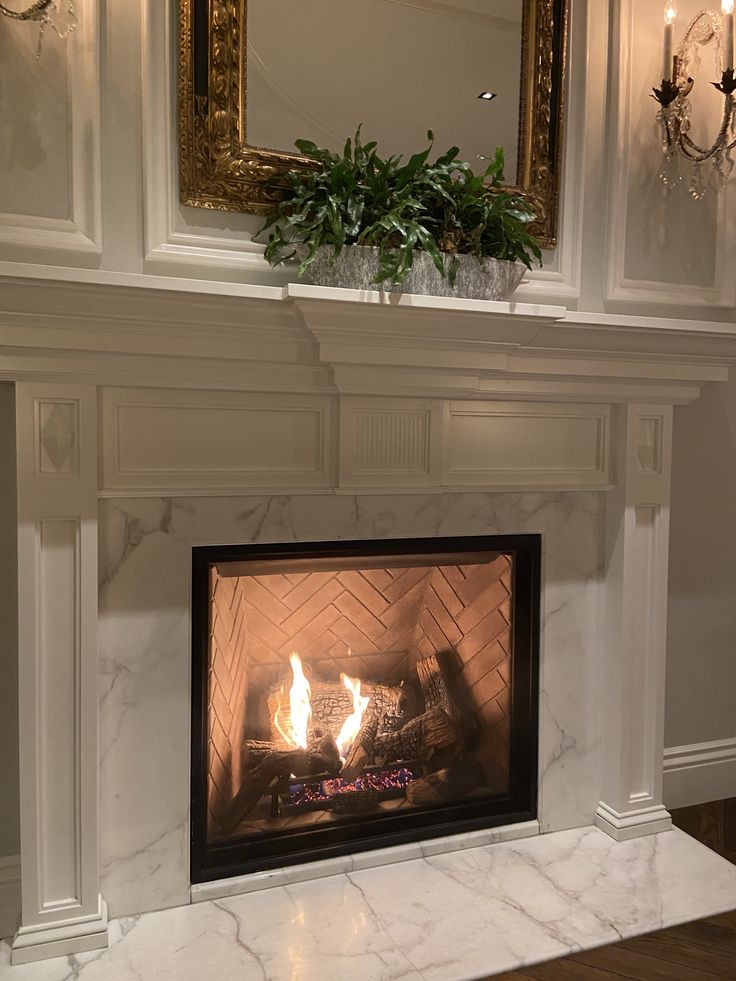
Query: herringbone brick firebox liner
[372, 624]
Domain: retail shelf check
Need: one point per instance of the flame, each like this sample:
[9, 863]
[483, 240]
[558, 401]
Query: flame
[351, 725]
[295, 730]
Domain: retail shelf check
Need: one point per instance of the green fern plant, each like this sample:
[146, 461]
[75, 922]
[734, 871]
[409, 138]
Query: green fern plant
[361, 198]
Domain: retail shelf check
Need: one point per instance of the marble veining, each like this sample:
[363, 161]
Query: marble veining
[144, 638]
[461, 915]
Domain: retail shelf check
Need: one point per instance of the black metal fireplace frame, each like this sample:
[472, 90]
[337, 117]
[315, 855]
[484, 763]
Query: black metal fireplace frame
[211, 861]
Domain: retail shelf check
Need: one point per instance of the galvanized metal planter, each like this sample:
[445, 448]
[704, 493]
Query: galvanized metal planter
[477, 279]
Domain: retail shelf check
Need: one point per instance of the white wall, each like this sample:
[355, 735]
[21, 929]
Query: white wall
[103, 195]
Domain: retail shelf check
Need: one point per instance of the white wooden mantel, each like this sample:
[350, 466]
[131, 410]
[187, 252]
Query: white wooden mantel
[136, 385]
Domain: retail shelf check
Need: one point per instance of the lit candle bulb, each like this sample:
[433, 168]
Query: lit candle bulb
[727, 8]
[670, 12]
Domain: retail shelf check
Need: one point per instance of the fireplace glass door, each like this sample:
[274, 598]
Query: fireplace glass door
[353, 695]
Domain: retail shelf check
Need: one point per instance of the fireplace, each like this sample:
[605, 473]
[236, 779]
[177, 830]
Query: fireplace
[352, 695]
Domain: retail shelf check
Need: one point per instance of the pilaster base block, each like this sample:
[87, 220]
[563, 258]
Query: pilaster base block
[73, 936]
[623, 826]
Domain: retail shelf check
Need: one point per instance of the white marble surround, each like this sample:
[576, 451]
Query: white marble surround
[149, 421]
[445, 917]
[144, 642]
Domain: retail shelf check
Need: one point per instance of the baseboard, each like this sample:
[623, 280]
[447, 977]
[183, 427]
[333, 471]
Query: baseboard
[699, 773]
[9, 895]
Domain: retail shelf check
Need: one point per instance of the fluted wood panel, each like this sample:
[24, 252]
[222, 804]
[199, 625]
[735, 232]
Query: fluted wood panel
[391, 441]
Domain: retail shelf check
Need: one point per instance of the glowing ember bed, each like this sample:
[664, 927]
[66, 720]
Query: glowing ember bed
[352, 695]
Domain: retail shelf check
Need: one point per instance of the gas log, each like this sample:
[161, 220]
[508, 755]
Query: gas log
[332, 703]
[361, 752]
[449, 783]
[422, 738]
[264, 762]
[434, 684]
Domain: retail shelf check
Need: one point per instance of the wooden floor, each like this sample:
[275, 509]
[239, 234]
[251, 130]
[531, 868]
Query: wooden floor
[701, 951]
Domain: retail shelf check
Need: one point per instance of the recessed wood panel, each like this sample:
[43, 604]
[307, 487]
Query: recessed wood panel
[213, 440]
[58, 631]
[503, 444]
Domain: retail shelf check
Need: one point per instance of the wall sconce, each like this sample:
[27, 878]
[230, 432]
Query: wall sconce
[681, 66]
[46, 12]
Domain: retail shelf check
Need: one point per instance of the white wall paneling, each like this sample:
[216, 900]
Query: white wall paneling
[637, 532]
[559, 281]
[195, 442]
[208, 441]
[71, 233]
[659, 242]
[221, 244]
[170, 238]
[387, 442]
[522, 445]
[57, 612]
[9, 895]
[9, 814]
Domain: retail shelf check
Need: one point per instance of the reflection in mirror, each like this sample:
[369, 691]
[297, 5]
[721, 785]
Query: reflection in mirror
[255, 75]
[317, 69]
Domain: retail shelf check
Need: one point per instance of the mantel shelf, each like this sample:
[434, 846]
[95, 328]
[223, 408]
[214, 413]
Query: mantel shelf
[105, 329]
[412, 305]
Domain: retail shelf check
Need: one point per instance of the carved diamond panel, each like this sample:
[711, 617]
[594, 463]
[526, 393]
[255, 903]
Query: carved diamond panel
[57, 426]
[649, 445]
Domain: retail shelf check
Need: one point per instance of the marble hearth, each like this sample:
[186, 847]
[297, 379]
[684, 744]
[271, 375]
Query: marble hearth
[312, 415]
[453, 916]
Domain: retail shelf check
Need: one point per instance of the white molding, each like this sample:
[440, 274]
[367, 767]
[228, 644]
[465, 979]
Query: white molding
[120, 329]
[158, 440]
[622, 146]
[559, 281]
[9, 895]
[390, 442]
[390, 445]
[82, 232]
[503, 444]
[633, 824]
[637, 551]
[74, 935]
[162, 243]
[165, 246]
[62, 911]
[700, 772]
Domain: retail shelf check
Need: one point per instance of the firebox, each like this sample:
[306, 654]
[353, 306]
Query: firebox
[353, 695]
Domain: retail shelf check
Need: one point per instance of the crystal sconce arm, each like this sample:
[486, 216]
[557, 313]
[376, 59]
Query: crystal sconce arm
[680, 71]
[45, 12]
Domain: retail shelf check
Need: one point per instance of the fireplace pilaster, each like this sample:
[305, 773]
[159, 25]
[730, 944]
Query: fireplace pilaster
[637, 541]
[62, 910]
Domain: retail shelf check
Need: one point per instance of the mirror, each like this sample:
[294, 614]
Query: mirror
[257, 74]
[400, 77]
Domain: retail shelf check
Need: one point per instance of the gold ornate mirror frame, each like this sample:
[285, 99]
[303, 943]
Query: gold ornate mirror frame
[219, 170]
